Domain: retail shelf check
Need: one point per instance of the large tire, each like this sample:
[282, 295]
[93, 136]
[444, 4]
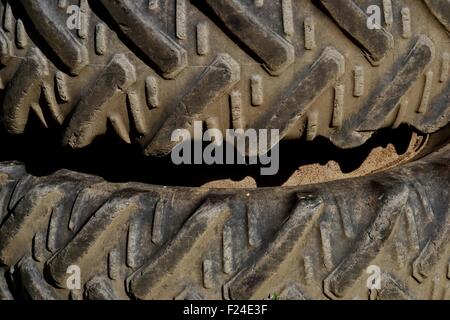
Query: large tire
[149, 242]
[145, 68]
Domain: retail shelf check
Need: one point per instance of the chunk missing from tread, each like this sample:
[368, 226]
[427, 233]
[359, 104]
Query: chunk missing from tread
[93, 111]
[23, 92]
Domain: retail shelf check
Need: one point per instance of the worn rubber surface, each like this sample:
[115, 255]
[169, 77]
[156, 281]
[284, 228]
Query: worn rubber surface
[150, 242]
[145, 68]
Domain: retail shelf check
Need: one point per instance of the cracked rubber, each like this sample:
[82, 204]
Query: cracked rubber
[151, 242]
[144, 69]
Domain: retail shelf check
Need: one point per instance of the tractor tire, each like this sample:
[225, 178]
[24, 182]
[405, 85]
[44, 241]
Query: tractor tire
[314, 69]
[152, 242]
[144, 69]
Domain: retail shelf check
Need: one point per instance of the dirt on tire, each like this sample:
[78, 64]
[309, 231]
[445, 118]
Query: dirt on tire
[312, 69]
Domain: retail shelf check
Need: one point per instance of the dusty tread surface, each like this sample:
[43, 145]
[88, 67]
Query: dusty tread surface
[142, 69]
[150, 242]
[308, 68]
